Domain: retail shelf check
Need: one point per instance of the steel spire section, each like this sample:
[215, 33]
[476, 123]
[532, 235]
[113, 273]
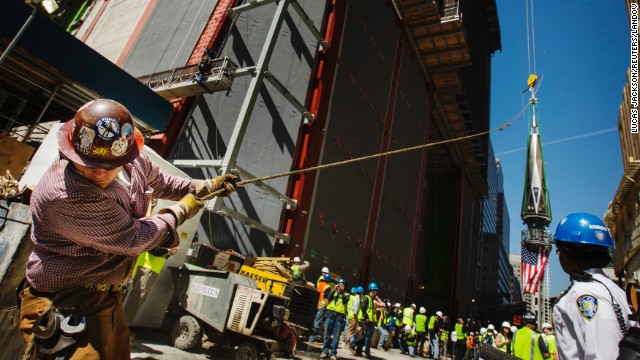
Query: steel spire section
[536, 207]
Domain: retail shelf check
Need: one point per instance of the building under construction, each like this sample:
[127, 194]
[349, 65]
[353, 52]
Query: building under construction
[264, 87]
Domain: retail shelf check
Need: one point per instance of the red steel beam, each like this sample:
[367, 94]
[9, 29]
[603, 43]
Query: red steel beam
[374, 209]
[420, 191]
[300, 187]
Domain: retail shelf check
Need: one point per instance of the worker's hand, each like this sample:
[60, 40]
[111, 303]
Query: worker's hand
[227, 182]
[172, 251]
[185, 209]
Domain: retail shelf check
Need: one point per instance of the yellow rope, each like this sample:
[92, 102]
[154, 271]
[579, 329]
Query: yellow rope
[368, 157]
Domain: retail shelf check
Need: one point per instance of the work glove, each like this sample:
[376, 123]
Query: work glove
[184, 209]
[225, 182]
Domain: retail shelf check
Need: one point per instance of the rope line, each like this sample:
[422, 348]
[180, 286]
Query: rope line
[368, 157]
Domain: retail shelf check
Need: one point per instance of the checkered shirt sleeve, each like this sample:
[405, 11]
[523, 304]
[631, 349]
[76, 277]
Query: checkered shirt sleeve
[83, 234]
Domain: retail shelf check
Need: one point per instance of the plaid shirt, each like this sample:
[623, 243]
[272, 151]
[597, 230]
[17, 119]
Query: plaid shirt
[83, 234]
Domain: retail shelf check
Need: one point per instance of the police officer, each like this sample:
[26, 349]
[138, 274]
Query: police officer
[591, 315]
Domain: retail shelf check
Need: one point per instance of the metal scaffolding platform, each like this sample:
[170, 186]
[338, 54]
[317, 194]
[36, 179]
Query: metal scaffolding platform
[192, 80]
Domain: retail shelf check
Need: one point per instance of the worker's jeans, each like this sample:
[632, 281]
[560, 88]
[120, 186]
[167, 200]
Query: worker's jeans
[317, 322]
[332, 329]
[384, 336]
[435, 343]
[420, 339]
[365, 338]
[106, 335]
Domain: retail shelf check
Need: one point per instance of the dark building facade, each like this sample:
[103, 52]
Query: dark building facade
[494, 277]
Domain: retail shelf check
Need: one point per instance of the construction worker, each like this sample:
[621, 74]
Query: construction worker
[460, 347]
[503, 342]
[383, 318]
[529, 344]
[444, 338]
[336, 310]
[491, 334]
[298, 268]
[324, 287]
[407, 315]
[390, 326]
[591, 315]
[421, 329]
[435, 323]
[483, 334]
[410, 338]
[368, 320]
[550, 338]
[353, 307]
[89, 225]
[323, 272]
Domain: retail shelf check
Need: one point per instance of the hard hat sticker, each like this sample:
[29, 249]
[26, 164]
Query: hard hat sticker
[588, 306]
[119, 147]
[85, 139]
[599, 235]
[127, 130]
[107, 128]
[100, 151]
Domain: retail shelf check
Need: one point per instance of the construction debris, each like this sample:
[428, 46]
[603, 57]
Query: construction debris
[8, 186]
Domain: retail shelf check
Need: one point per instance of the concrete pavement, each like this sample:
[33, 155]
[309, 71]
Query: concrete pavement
[149, 345]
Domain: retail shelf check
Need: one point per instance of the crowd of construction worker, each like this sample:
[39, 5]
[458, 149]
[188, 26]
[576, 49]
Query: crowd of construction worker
[361, 319]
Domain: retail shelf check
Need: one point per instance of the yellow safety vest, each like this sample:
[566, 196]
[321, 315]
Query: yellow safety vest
[295, 268]
[398, 318]
[352, 299]
[411, 338]
[407, 316]
[151, 262]
[336, 304]
[444, 336]
[432, 322]
[551, 343]
[503, 348]
[370, 310]
[526, 341]
[459, 332]
[421, 320]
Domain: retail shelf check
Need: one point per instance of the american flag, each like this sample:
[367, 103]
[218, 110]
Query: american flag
[534, 261]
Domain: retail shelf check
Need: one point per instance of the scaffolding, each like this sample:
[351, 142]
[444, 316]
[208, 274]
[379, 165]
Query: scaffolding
[259, 73]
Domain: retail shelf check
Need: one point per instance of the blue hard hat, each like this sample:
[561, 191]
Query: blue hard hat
[583, 228]
[354, 290]
[327, 276]
[360, 290]
[341, 281]
[373, 286]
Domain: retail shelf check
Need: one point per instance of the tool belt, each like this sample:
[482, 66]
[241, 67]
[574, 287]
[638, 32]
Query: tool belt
[58, 328]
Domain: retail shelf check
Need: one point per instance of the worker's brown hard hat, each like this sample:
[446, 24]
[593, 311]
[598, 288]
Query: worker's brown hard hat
[101, 135]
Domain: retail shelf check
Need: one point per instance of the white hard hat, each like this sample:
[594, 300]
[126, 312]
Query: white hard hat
[407, 328]
[506, 324]
[439, 313]
[388, 304]
[325, 269]
[491, 327]
[514, 329]
[546, 325]
[483, 331]
[413, 306]
[471, 333]
[397, 305]
[296, 259]
[422, 310]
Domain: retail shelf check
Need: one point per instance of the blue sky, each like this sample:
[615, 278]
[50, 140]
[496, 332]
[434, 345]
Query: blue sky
[582, 50]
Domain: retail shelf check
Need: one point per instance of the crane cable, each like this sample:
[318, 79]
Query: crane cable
[531, 36]
[368, 157]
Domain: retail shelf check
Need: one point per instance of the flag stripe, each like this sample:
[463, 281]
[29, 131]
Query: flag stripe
[534, 262]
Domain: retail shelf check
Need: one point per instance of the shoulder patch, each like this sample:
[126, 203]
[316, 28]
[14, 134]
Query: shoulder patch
[588, 306]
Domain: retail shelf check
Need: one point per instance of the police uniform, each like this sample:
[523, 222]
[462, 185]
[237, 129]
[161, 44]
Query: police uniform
[585, 323]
